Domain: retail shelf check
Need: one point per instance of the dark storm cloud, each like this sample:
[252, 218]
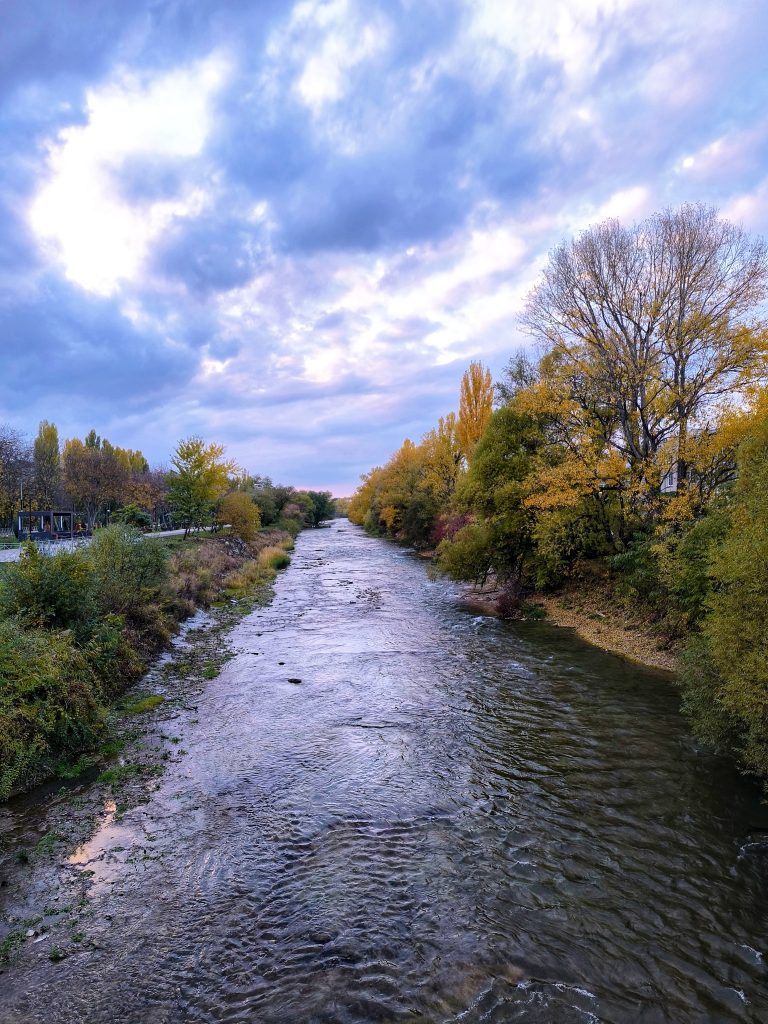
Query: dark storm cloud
[80, 350]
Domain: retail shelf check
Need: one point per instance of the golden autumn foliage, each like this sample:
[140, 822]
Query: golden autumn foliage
[239, 511]
[475, 407]
[634, 448]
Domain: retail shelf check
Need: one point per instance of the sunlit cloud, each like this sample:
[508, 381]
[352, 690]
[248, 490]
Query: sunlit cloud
[96, 235]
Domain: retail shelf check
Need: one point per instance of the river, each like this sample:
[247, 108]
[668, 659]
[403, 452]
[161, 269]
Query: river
[448, 818]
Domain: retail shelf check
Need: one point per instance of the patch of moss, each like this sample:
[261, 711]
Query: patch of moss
[76, 768]
[48, 842]
[9, 944]
[121, 773]
[138, 707]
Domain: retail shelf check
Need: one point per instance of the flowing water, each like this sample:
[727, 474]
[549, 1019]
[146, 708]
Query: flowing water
[447, 819]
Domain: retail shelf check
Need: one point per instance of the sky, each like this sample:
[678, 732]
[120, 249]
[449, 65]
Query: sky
[288, 227]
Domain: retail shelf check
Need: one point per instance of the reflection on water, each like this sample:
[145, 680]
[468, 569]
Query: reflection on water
[94, 850]
[446, 819]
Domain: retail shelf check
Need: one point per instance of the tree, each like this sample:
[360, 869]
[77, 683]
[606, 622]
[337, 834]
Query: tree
[96, 475]
[262, 491]
[519, 373]
[82, 477]
[242, 514]
[475, 407]
[47, 463]
[646, 329]
[726, 677]
[494, 492]
[15, 470]
[322, 507]
[443, 456]
[198, 481]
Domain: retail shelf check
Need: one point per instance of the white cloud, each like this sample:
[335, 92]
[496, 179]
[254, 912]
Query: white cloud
[729, 155]
[564, 30]
[322, 43]
[99, 238]
[750, 208]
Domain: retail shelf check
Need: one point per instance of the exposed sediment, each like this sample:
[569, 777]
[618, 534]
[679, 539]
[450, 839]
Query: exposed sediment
[597, 617]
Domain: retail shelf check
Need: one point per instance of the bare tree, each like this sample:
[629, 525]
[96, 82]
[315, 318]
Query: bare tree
[651, 324]
[15, 470]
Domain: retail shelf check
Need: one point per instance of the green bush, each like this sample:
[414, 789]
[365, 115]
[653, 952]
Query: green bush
[561, 537]
[50, 591]
[637, 574]
[50, 701]
[713, 723]
[132, 515]
[468, 555]
[725, 682]
[686, 566]
[129, 571]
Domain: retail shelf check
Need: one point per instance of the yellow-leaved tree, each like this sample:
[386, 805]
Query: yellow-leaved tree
[475, 407]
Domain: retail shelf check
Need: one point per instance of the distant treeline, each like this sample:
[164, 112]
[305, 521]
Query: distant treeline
[104, 483]
[635, 440]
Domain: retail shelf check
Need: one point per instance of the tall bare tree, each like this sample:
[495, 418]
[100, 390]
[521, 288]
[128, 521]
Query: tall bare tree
[650, 326]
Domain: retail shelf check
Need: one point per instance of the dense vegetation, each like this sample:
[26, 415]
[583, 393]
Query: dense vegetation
[635, 444]
[78, 626]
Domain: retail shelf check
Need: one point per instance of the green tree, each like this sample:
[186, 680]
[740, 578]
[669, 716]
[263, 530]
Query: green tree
[47, 463]
[726, 674]
[322, 507]
[198, 481]
[494, 492]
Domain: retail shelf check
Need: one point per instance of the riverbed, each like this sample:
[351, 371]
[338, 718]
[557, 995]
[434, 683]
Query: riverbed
[391, 809]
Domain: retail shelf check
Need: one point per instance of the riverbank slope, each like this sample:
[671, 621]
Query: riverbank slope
[595, 614]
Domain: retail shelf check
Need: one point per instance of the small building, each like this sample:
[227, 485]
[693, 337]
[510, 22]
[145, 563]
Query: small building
[47, 525]
[669, 481]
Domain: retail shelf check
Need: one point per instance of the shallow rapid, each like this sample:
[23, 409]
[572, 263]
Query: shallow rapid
[446, 818]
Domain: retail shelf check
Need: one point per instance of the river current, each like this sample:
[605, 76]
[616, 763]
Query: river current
[445, 819]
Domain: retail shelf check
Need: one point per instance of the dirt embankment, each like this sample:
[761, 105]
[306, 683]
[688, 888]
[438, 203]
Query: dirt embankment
[593, 611]
[599, 618]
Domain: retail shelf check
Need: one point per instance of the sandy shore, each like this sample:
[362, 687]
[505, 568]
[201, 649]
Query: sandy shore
[597, 618]
[611, 628]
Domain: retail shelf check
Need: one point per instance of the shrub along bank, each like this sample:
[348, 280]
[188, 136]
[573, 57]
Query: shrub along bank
[78, 627]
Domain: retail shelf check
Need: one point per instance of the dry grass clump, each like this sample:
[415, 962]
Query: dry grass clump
[202, 572]
[198, 573]
[261, 570]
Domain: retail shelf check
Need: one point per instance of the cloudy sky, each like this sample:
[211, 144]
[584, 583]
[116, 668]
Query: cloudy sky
[288, 227]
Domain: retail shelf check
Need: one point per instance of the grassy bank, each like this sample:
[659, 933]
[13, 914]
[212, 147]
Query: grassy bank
[78, 628]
